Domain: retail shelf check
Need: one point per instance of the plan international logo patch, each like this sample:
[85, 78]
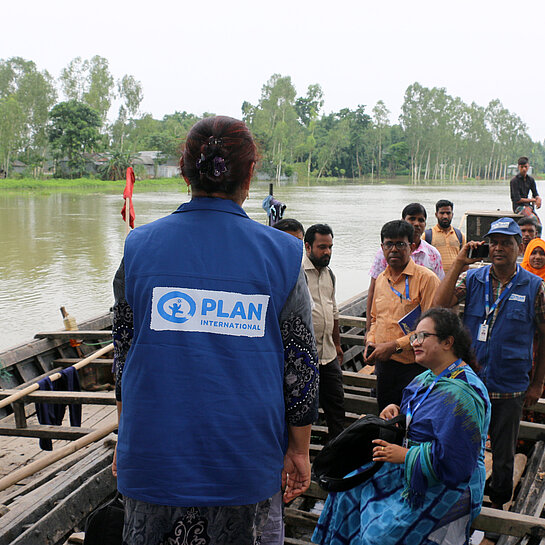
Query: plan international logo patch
[223, 312]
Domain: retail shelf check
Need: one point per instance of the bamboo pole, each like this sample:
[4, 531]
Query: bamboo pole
[55, 376]
[127, 216]
[38, 465]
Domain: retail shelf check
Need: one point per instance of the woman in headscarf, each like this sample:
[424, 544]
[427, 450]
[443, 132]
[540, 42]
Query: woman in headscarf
[429, 490]
[534, 257]
[217, 392]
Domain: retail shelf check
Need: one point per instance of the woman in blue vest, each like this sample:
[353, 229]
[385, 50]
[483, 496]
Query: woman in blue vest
[430, 489]
[216, 362]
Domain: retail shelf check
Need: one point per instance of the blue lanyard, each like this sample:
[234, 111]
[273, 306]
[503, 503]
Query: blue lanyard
[490, 310]
[410, 412]
[406, 290]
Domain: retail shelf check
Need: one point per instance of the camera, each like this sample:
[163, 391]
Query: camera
[479, 252]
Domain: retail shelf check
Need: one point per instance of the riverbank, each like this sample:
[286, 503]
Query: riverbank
[33, 184]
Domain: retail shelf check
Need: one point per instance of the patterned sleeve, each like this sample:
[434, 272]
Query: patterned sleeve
[123, 328]
[379, 264]
[461, 287]
[301, 374]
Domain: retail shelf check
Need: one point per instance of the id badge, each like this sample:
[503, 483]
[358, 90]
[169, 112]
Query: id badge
[483, 333]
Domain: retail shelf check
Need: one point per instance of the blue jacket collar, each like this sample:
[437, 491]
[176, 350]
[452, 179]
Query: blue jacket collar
[482, 272]
[212, 203]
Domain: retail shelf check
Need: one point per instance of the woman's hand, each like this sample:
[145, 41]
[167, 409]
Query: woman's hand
[114, 462]
[389, 412]
[387, 452]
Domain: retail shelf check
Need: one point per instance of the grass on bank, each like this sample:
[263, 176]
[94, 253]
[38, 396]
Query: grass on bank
[82, 183]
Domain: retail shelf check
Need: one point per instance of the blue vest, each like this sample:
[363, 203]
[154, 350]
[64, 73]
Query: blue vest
[506, 358]
[203, 419]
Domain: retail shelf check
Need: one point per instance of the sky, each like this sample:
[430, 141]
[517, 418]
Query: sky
[211, 55]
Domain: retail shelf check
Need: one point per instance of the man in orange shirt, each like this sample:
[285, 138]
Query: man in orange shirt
[447, 239]
[402, 292]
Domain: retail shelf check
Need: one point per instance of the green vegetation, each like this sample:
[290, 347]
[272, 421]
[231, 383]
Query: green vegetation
[437, 136]
[83, 183]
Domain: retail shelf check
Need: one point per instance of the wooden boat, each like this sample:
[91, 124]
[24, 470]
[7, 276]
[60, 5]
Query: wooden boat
[42, 502]
[51, 504]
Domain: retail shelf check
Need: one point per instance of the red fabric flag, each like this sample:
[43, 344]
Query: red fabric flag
[127, 194]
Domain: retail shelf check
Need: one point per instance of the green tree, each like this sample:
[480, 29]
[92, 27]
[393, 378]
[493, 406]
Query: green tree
[12, 124]
[308, 109]
[274, 123]
[100, 89]
[90, 82]
[381, 121]
[74, 130]
[34, 93]
[131, 95]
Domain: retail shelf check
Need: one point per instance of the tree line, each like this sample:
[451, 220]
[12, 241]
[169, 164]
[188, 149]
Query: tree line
[437, 137]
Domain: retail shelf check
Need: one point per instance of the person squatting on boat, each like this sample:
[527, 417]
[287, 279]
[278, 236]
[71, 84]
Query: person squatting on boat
[429, 490]
[219, 387]
[504, 307]
[325, 319]
[422, 253]
[402, 292]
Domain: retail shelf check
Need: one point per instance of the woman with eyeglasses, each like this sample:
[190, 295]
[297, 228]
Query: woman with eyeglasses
[431, 488]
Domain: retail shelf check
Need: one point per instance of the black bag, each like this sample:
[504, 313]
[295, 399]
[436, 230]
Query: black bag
[104, 526]
[352, 449]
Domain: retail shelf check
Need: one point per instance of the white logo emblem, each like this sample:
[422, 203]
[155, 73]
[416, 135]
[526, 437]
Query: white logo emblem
[223, 312]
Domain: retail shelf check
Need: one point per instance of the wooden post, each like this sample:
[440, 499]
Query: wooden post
[127, 216]
[271, 186]
[6, 401]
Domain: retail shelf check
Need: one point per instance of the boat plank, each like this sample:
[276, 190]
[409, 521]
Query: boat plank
[57, 524]
[490, 520]
[357, 340]
[353, 321]
[17, 451]
[48, 513]
[45, 431]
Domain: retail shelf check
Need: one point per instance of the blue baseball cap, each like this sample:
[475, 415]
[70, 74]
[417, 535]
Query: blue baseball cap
[504, 226]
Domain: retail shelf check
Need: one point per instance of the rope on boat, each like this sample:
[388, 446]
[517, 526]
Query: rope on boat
[100, 343]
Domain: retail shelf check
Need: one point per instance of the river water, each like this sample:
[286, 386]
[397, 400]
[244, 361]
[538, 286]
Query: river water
[63, 248]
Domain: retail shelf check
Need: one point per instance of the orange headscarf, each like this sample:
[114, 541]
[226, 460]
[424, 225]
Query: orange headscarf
[532, 245]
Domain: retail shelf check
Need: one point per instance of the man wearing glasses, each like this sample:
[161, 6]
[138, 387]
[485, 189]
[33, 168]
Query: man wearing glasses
[402, 292]
[504, 308]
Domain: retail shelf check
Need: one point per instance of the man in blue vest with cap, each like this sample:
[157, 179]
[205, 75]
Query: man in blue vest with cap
[504, 308]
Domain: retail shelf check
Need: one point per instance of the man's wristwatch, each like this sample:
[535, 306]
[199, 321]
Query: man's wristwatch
[398, 349]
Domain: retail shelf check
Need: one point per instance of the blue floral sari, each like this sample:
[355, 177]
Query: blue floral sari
[441, 481]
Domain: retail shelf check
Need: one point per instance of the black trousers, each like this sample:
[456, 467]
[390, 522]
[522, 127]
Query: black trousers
[332, 397]
[503, 431]
[392, 378]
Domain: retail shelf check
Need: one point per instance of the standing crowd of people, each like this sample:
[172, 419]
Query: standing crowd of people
[227, 342]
